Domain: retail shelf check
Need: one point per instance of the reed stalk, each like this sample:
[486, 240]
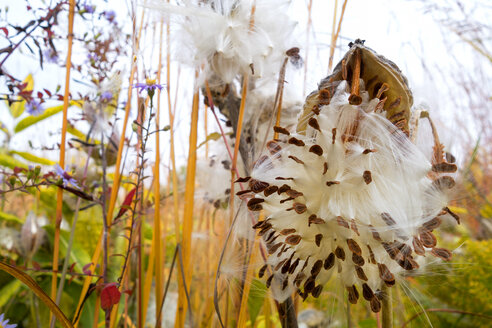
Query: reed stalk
[59, 195]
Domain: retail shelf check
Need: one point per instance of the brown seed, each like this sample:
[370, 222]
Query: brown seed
[372, 259]
[331, 183]
[428, 239]
[293, 266]
[293, 239]
[306, 262]
[317, 239]
[375, 305]
[286, 266]
[309, 284]
[357, 259]
[384, 87]
[317, 291]
[245, 179]
[259, 224]
[261, 273]
[444, 167]
[386, 275]
[287, 231]
[342, 222]
[444, 182]
[270, 236]
[270, 190]
[375, 233]
[269, 281]
[353, 294]
[442, 253]
[313, 122]
[316, 149]
[295, 159]
[367, 177]
[300, 208]
[272, 249]
[325, 168]
[279, 264]
[281, 130]
[257, 186]
[254, 204]
[329, 262]
[405, 250]
[314, 220]
[353, 226]
[293, 193]
[360, 273]
[297, 142]
[316, 109]
[418, 247]
[273, 147]
[324, 97]
[391, 250]
[334, 135]
[283, 188]
[244, 192]
[388, 219]
[367, 292]
[263, 160]
[368, 151]
[432, 224]
[285, 283]
[299, 278]
[264, 230]
[354, 247]
[340, 253]
[284, 178]
[316, 268]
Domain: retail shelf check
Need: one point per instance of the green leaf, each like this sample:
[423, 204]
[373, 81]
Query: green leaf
[33, 158]
[10, 162]
[78, 253]
[9, 217]
[32, 285]
[256, 298]
[368, 323]
[17, 107]
[8, 291]
[211, 136]
[30, 120]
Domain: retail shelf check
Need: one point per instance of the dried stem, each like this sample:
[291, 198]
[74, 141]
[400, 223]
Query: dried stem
[387, 308]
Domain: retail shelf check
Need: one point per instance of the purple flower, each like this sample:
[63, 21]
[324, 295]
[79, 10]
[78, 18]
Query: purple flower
[106, 96]
[89, 8]
[110, 15]
[50, 55]
[67, 178]
[34, 107]
[149, 86]
[4, 323]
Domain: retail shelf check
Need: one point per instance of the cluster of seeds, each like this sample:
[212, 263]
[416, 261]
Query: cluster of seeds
[350, 194]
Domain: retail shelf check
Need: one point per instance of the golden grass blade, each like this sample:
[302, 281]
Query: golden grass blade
[335, 36]
[188, 213]
[34, 287]
[59, 194]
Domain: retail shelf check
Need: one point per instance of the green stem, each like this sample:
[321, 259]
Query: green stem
[387, 308]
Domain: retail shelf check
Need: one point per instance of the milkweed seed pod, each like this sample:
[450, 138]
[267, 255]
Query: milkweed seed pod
[348, 193]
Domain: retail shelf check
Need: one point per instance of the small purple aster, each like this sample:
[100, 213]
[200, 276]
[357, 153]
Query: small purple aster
[50, 55]
[34, 107]
[89, 8]
[106, 96]
[92, 57]
[4, 323]
[110, 15]
[149, 86]
[67, 178]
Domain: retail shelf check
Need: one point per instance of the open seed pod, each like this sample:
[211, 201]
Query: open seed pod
[382, 79]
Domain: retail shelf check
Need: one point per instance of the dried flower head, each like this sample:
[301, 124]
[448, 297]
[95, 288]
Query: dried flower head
[349, 192]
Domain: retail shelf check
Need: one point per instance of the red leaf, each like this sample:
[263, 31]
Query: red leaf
[128, 292]
[36, 265]
[40, 95]
[126, 203]
[4, 29]
[72, 266]
[110, 296]
[60, 97]
[47, 92]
